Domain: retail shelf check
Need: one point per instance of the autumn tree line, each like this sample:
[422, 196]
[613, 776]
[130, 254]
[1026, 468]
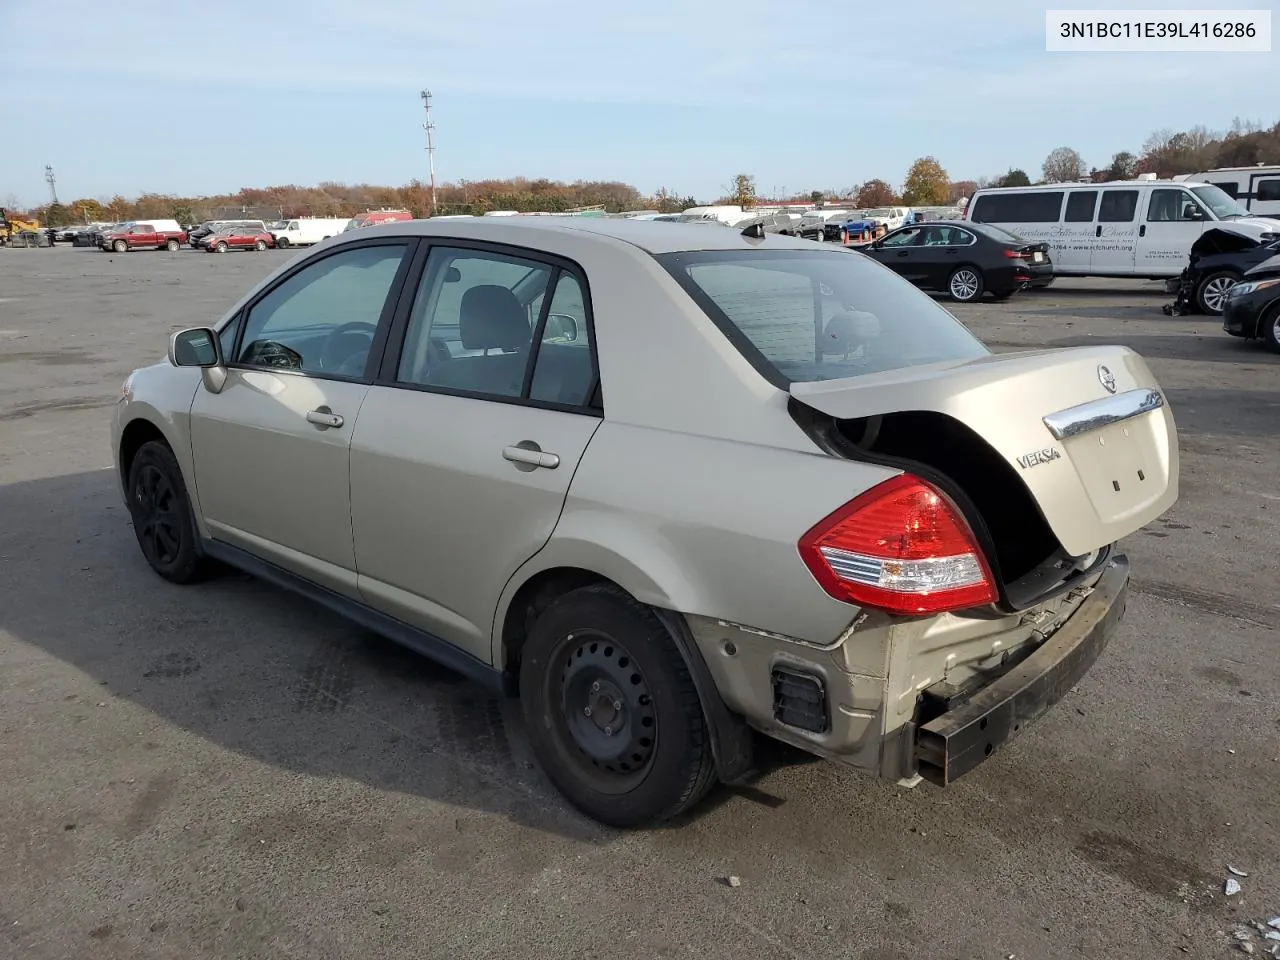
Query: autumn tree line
[1165, 153]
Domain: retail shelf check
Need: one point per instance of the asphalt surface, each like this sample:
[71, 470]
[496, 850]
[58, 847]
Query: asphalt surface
[228, 771]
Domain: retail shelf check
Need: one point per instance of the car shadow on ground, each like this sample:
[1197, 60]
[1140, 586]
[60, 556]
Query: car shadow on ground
[254, 669]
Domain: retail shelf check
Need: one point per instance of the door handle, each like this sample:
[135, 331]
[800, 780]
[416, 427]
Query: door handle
[534, 458]
[1142, 230]
[323, 418]
[902, 253]
[1097, 232]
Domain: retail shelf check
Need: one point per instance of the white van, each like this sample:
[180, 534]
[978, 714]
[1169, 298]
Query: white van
[303, 231]
[1124, 228]
[1257, 189]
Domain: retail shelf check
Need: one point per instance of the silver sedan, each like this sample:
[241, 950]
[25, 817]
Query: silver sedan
[672, 487]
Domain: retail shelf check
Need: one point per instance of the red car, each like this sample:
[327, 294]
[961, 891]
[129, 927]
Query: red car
[238, 238]
[372, 218]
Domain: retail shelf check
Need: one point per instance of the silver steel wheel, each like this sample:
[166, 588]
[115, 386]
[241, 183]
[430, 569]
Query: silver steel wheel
[1275, 329]
[964, 284]
[1215, 292]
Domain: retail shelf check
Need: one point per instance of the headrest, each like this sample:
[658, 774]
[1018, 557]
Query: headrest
[491, 318]
[848, 330]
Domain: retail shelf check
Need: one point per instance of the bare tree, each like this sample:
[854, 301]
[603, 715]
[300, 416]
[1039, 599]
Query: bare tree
[1063, 165]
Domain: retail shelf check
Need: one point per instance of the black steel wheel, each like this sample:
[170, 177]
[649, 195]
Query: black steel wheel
[611, 709]
[607, 709]
[161, 512]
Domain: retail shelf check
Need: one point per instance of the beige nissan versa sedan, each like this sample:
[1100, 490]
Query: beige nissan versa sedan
[668, 485]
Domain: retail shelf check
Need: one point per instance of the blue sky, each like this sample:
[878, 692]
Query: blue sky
[186, 98]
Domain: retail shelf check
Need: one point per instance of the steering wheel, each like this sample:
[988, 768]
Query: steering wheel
[341, 348]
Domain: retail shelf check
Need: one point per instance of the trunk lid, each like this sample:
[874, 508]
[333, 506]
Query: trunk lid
[1086, 429]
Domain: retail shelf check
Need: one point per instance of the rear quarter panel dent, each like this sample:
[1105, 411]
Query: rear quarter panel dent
[705, 527]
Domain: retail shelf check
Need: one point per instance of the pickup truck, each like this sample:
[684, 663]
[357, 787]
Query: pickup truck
[149, 235]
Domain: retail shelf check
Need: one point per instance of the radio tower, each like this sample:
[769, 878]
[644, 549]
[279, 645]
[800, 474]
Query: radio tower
[430, 126]
[52, 181]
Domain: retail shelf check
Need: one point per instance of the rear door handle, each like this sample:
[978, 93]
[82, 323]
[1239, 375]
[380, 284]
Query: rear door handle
[1098, 231]
[323, 418]
[903, 253]
[534, 458]
[1142, 230]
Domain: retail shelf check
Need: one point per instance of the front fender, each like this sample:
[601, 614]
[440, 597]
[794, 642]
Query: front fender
[161, 395]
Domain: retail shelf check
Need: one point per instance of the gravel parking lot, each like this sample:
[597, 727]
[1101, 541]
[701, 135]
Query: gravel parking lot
[228, 771]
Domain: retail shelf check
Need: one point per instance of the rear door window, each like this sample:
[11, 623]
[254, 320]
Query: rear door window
[948, 237]
[1118, 206]
[473, 320]
[1080, 206]
[820, 315]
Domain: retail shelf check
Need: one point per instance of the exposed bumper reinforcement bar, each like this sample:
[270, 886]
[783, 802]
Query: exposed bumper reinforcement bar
[952, 744]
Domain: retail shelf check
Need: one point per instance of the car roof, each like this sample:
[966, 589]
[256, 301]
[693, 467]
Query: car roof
[652, 236]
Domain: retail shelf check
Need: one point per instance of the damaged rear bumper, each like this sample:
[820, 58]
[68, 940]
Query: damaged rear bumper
[952, 744]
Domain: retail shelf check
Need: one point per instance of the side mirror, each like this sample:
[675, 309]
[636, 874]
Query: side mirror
[200, 347]
[560, 326]
[196, 347]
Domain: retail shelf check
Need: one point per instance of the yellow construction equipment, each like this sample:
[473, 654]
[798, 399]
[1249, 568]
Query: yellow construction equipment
[18, 231]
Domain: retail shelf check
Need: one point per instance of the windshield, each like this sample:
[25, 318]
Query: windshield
[1217, 200]
[877, 212]
[821, 315]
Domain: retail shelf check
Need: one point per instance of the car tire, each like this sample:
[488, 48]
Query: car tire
[172, 246]
[965, 284]
[1212, 291]
[260, 245]
[611, 710]
[1269, 329]
[221, 247]
[161, 511]
[282, 243]
[120, 246]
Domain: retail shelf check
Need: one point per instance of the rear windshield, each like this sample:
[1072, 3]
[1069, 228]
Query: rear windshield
[1004, 236]
[802, 315]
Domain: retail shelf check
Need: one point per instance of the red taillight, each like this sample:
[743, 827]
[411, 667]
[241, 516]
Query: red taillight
[1015, 254]
[902, 547]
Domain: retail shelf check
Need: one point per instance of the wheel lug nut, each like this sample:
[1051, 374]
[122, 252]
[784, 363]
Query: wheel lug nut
[617, 704]
[595, 687]
[608, 731]
[586, 711]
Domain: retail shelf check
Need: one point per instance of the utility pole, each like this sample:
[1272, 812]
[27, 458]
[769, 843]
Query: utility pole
[51, 180]
[430, 126]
